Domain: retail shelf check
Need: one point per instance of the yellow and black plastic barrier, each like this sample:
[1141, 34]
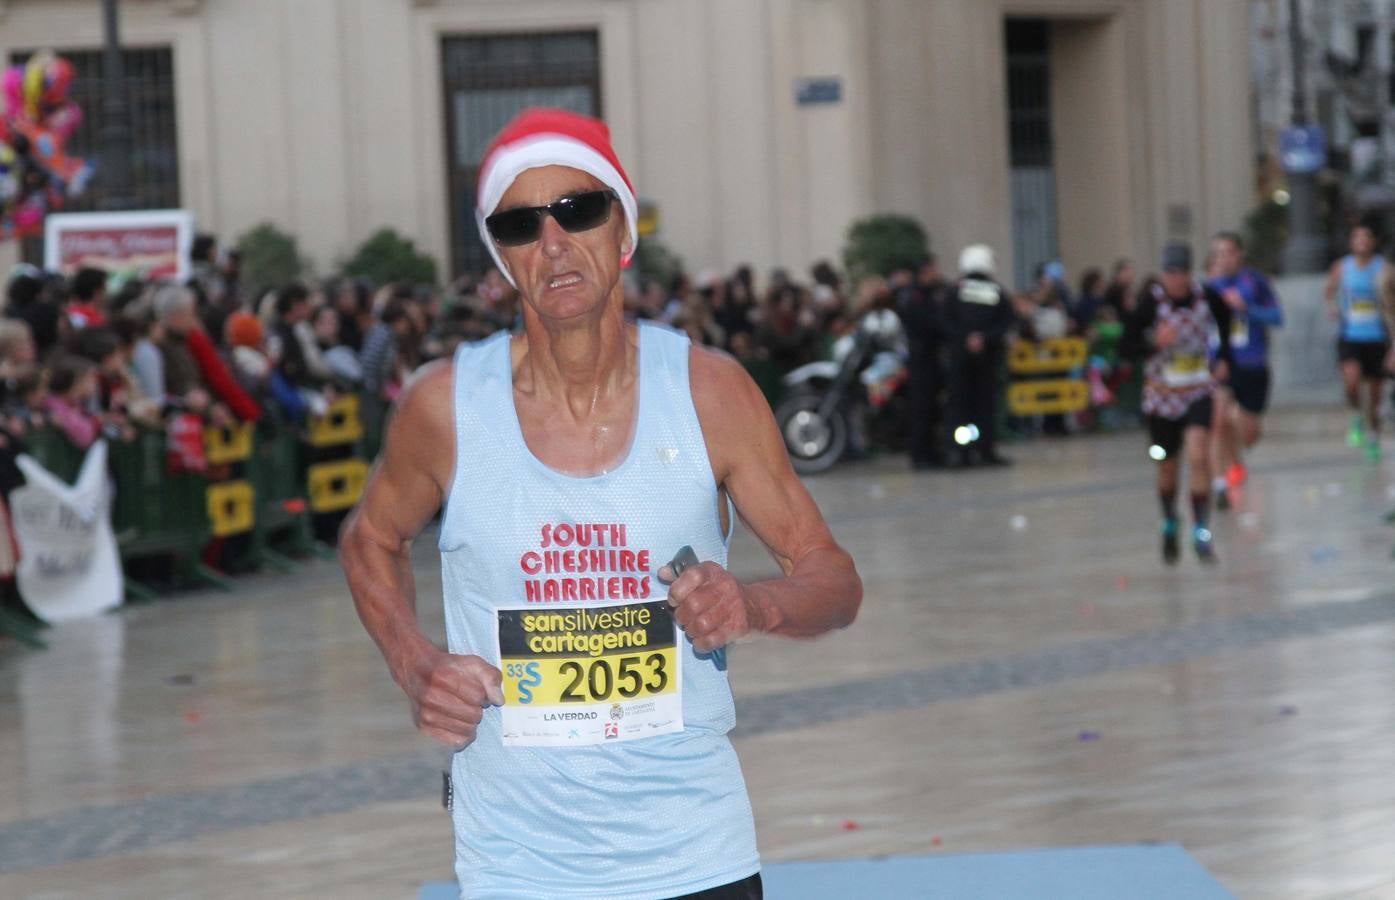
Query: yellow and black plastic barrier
[1048, 377]
[335, 478]
[340, 424]
[230, 496]
[336, 486]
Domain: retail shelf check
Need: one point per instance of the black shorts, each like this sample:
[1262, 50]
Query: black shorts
[745, 889]
[1168, 434]
[1251, 388]
[1370, 354]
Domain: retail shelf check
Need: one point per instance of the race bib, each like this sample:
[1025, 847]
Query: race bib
[589, 675]
[1239, 332]
[1185, 370]
[1362, 311]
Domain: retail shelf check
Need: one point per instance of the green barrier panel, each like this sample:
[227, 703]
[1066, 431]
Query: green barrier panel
[374, 412]
[55, 453]
[156, 511]
[281, 508]
[17, 621]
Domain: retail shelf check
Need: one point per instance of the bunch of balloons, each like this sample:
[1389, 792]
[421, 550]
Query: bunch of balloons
[36, 119]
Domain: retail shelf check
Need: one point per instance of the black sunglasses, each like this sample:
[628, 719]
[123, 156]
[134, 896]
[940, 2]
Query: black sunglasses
[576, 212]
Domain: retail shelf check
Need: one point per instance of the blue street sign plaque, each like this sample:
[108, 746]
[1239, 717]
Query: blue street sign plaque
[812, 91]
[1302, 149]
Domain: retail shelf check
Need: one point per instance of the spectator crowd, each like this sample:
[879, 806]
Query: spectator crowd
[104, 353]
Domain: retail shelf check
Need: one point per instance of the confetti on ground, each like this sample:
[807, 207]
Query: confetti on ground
[1288, 710]
[1333, 489]
[181, 679]
[1249, 521]
[1324, 554]
[192, 717]
[850, 825]
[1018, 523]
[1122, 583]
[876, 492]
[1088, 736]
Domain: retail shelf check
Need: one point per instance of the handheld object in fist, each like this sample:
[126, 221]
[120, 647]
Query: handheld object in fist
[685, 559]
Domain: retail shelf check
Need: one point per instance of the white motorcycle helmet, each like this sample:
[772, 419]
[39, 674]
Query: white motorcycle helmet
[977, 259]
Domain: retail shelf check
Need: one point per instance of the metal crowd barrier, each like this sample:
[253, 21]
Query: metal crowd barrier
[263, 485]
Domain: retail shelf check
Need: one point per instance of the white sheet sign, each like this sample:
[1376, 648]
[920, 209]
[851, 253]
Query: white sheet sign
[68, 563]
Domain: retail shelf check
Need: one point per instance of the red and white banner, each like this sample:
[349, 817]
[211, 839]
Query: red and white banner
[154, 243]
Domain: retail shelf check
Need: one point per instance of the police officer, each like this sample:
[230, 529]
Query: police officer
[977, 315]
[919, 299]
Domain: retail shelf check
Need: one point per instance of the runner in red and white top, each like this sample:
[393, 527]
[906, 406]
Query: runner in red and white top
[1177, 321]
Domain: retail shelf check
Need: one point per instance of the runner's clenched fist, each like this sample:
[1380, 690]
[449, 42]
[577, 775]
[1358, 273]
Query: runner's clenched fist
[449, 693]
[711, 606]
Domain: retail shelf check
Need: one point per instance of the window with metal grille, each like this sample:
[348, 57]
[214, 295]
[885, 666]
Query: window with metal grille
[1030, 150]
[490, 78]
[154, 149]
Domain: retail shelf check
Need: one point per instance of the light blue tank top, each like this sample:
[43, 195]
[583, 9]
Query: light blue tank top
[658, 816]
[1359, 301]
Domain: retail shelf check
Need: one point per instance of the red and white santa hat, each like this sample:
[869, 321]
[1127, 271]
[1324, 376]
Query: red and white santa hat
[551, 137]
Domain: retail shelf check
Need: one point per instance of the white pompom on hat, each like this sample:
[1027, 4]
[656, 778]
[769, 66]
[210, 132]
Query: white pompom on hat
[551, 137]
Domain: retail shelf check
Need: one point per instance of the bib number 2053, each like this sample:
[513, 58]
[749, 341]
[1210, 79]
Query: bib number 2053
[601, 678]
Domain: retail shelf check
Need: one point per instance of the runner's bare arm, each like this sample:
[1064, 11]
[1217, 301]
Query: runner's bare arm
[403, 492]
[821, 590]
[1387, 300]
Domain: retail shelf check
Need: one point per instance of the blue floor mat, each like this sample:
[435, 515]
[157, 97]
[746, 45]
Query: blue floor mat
[1150, 872]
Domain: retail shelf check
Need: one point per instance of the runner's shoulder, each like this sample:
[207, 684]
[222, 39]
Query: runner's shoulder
[427, 399]
[711, 370]
[431, 379]
[724, 393]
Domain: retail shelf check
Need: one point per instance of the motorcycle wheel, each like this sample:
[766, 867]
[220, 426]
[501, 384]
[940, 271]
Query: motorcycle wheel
[815, 442]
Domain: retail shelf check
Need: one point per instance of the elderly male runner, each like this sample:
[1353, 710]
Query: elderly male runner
[589, 706]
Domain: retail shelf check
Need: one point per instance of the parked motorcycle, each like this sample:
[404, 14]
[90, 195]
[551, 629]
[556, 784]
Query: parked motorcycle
[843, 405]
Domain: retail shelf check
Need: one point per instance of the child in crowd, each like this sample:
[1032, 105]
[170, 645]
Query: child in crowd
[73, 399]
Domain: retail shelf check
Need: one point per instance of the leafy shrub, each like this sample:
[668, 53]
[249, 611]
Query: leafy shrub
[388, 256]
[1266, 233]
[879, 244]
[270, 258]
[654, 260]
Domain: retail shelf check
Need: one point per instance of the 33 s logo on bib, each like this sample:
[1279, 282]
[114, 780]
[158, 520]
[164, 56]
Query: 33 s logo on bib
[527, 677]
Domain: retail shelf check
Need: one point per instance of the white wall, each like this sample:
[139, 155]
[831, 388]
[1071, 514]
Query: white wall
[327, 118]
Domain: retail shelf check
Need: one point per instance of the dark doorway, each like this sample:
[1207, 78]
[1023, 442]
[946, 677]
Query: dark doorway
[1034, 222]
[488, 79]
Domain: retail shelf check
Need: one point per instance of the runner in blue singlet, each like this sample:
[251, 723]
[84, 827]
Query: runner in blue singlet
[583, 686]
[1352, 294]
